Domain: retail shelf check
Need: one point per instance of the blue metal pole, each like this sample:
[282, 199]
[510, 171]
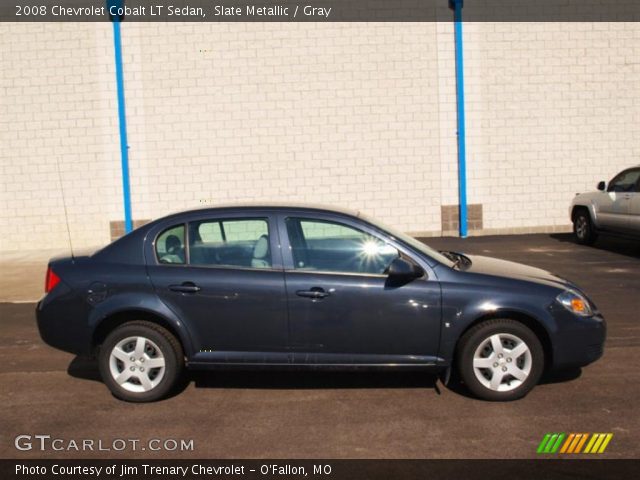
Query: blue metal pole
[122, 120]
[462, 148]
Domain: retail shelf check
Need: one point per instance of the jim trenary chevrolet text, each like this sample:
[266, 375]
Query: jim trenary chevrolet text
[309, 287]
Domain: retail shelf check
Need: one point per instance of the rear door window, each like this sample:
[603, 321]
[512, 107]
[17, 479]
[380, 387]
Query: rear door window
[230, 243]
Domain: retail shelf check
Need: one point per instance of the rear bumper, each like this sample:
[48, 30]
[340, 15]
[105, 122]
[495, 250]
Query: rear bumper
[579, 341]
[62, 324]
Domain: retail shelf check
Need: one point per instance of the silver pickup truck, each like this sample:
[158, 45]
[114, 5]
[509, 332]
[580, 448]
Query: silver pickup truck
[614, 208]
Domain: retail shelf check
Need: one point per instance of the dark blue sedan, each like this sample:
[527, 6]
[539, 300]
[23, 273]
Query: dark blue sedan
[309, 287]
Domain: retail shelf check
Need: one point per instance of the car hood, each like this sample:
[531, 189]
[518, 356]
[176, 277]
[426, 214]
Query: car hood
[516, 271]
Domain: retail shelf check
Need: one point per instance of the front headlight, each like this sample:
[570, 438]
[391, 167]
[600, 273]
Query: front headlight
[575, 303]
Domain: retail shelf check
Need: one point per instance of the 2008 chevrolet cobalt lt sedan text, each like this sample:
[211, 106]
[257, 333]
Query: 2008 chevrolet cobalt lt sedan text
[309, 287]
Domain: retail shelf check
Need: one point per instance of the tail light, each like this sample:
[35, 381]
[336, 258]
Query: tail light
[51, 280]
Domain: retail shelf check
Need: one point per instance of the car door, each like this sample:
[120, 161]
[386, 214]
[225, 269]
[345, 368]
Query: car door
[223, 277]
[342, 307]
[614, 205]
[634, 209]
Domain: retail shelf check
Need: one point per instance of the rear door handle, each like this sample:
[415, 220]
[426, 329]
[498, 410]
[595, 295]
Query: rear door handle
[186, 287]
[315, 293]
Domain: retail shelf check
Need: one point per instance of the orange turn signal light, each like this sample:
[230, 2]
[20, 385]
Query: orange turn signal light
[578, 305]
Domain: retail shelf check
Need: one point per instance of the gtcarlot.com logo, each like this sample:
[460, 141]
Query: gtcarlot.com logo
[47, 442]
[574, 443]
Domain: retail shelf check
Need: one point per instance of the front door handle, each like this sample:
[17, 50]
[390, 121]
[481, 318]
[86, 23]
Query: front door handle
[186, 287]
[316, 293]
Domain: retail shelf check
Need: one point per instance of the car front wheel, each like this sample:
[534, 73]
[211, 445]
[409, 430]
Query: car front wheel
[583, 228]
[500, 360]
[140, 361]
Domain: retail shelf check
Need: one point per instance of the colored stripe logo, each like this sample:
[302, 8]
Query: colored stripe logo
[574, 443]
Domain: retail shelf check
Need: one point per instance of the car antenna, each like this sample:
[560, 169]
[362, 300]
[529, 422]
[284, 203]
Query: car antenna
[64, 206]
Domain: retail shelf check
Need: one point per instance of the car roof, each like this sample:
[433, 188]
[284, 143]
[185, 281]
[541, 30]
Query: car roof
[239, 207]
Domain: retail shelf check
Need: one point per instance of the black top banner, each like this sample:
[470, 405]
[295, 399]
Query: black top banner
[318, 10]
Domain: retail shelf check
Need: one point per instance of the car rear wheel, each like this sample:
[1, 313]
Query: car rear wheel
[140, 361]
[583, 228]
[500, 360]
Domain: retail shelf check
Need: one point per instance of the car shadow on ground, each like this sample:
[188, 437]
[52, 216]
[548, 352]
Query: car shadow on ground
[622, 246]
[84, 368]
[87, 369]
[561, 376]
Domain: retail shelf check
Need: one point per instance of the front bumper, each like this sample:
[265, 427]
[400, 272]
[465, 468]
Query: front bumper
[579, 341]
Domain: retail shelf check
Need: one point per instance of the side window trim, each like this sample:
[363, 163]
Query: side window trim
[187, 250]
[223, 233]
[335, 272]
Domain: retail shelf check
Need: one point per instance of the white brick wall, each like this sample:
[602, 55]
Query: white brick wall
[57, 107]
[552, 109]
[342, 114]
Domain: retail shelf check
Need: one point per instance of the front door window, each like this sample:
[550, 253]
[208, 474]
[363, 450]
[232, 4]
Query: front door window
[323, 246]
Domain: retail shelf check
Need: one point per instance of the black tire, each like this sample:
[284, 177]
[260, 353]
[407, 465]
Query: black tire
[583, 228]
[477, 336]
[168, 347]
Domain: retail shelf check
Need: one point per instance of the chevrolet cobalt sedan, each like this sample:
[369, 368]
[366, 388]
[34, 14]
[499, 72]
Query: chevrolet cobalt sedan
[309, 287]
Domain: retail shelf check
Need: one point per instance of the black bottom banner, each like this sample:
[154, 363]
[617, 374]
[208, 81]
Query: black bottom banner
[320, 469]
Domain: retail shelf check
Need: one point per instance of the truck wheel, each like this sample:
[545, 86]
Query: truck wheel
[140, 361]
[583, 228]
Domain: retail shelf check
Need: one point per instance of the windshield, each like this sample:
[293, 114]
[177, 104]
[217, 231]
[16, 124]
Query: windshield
[409, 240]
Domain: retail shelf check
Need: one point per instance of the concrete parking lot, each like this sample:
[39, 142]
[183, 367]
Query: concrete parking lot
[344, 415]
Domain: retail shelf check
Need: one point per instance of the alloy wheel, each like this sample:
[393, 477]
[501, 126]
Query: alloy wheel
[502, 362]
[137, 364]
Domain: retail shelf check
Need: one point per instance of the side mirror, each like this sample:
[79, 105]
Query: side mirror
[403, 270]
[602, 186]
